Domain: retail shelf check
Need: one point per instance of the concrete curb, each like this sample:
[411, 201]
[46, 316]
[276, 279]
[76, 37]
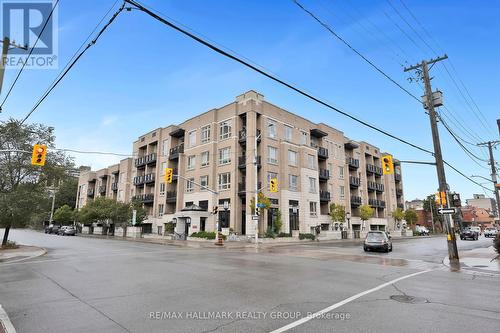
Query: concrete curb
[41, 253]
[5, 322]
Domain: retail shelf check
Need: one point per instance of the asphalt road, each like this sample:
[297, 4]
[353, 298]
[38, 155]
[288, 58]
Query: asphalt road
[100, 285]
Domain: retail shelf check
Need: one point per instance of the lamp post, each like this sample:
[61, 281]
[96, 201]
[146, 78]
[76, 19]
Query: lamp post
[348, 217]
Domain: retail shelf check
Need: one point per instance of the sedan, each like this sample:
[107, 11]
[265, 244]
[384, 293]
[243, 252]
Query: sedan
[67, 231]
[377, 240]
[469, 233]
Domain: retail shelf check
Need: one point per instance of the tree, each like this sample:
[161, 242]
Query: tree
[23, 186]
[106, 210]
[263, 200]
[430, 204]
[337, 213]
[398, 214]
[411, 216]
[63, 215]
[366, 212]
[278, 223]
[66, 193]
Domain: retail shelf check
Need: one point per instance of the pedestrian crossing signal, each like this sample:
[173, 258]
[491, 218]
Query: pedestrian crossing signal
[273, 185]
[169, 174]
[39, 154]
[441, 198]
[387, 165]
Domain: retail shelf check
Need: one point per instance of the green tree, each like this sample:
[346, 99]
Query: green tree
[278, 223]
[23, 194]
[337, 213]
[66, 192]
[63, 215]
[411, 216]
[366, 212]
[430, 205]
[398, 215]
[105, 210]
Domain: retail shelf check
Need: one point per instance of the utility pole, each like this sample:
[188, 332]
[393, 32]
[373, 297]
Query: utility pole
[5, 50]
[490, 145]
[429, 105]
[53, 193]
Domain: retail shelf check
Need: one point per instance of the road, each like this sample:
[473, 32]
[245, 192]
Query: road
[101, 285]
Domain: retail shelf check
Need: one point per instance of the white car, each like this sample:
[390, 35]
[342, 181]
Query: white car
[421, 230]
[490, 232]
[477, 229]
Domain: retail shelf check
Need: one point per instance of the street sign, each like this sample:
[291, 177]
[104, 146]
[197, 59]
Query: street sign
[255, 217]
[261, 205]
[446, 210]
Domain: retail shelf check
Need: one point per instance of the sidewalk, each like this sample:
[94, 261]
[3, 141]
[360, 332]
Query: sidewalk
[21, 253]
[5, 323]
[478, 261]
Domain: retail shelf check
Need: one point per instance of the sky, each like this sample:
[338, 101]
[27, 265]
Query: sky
[142, 75]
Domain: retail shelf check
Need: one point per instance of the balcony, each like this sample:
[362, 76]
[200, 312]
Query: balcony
[138, 180]
[242, 137]
[379, 187]
[150, 159]
[372, 186]
[353, 163]
[102, 189]
[90, 192]
[174, 152]
[397, 177]
[149, 179]
[376, 203]
[322, 153]
[401, 205]
[324, 196]
[355, 201]
[399, 192]
[354, 181]
[324, 175]
[373, 169]
[242, 189]
[114, 186]
[242, 161]
[171, 196]
[144, 198]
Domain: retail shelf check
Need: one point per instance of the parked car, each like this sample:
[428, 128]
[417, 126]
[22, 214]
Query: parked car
[377, 240]
[67, 230]
[477, 229]
[490, 232]
[469, 233]
[52, 229]
[421, 230]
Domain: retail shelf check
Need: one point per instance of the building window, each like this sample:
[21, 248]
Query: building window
[313, 208]
[288, 133]
[203, 204]
[191, 162]
[162, 189]
[160, 210]
[310, 161]
[312, 185]
[165, 147]
[224, 181]
[204, 182]
[342, 192]
[163, 167]
[303, 137]
[205, 158]
[292, 158]
[271, 175]
[272, 129]
[192, 138]
[205, 134]
[225, 129]
[225, 155]
[190, 185]
[293, 182]
[272, 155]
[341, 172]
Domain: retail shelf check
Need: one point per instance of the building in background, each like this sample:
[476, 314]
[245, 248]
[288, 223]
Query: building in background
[481, 201]
[315, 165]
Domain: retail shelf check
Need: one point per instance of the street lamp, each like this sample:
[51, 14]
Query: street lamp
[348, 217]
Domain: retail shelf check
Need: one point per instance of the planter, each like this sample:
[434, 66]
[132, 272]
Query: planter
[85, 230]
[134, 232]
[98, 231]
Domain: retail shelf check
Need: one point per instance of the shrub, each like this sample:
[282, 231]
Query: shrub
[10, 245]
[205, 234]
[270, 233]
[496, 244]
[307, 236]
[284, 234]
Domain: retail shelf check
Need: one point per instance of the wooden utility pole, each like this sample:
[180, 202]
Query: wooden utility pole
[490, 145]
[430, 101]
[5, 50]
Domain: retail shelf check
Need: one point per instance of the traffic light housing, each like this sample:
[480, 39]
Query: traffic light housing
[215, 209]
[169, 174]
[387, 165]
[273, 185]
[441, 198]
[39, 154]
[455, 200]
[257, 211]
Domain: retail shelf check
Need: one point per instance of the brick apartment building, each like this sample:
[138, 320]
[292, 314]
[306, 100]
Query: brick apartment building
[315, 165]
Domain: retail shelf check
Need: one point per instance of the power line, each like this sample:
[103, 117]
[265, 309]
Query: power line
[29, 54]
[91, 152]
[72, 63]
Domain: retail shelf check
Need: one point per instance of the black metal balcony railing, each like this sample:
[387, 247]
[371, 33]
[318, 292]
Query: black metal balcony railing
[242, 161]
[324, 174]
[379, 187]
[149, 178]
[324, 196]
[174, 152]
[114, 186]
[143, 160]
[397, 177]
[372, 186]
[399, 192]
[355, 200]
[242, 136]
[322, 153]
[378, 171]
[370, 168]
[90, 192]
[138, 180]
[376, 203]
[401, 205]
[102, 189]
[242, 188]
[144, 198]
[171, 196]
[353, 163]
[354, 181]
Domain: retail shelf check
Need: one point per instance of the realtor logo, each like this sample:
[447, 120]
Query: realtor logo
[22, 23]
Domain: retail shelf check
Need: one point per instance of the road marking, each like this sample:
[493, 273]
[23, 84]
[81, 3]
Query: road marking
[347, 300]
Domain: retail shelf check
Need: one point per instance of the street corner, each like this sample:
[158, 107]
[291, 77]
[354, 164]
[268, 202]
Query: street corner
[5, 323]
[23, 252]
[481, 261]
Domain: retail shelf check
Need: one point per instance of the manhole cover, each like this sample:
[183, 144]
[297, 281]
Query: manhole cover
[408, 299]
[479, 266]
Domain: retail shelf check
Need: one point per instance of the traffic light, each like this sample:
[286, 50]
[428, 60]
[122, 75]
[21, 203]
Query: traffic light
[441, 198]
[273, 185]
[387, 165]
[257, 211]
[169, 174]
[455, 200]
[215, 209]
[39, 154]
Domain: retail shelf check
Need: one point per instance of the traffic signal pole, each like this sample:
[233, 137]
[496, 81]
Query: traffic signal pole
[490, 145]
[443, 186]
